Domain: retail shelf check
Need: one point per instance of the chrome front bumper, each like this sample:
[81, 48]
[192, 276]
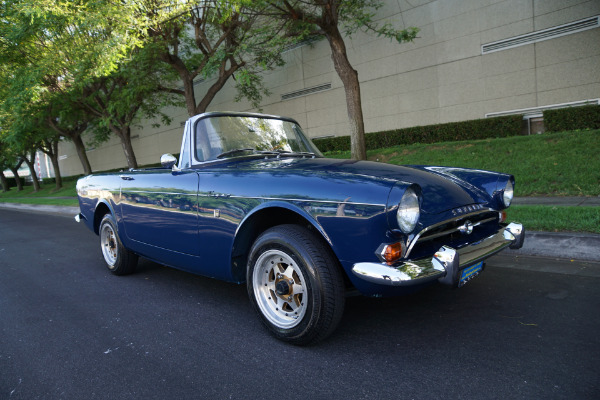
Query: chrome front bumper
[446, 263]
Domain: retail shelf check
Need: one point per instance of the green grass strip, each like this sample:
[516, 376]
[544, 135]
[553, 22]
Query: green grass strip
[551, 164]
[556, 218]
[68, 190]
[42, 201]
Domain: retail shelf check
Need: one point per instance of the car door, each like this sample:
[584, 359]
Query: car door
[159, 208]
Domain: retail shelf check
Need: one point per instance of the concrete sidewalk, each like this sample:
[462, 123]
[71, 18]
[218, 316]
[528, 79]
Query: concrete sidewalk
[569, 245]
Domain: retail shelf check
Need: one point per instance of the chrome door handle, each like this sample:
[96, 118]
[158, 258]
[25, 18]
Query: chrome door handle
[126, 178]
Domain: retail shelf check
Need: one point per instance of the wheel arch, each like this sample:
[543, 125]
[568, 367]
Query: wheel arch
[262, 218]
[102, 208]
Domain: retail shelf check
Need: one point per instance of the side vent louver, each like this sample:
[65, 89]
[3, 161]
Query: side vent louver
[545, 34]
[304, 92]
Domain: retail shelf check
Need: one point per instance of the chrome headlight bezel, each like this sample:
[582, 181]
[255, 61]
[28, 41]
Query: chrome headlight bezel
[409, 211]
[508, 193]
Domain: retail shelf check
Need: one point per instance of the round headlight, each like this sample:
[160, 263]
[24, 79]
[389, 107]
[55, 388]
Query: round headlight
[508, 194]
[408, 211]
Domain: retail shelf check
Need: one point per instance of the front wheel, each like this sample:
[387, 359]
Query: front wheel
[295, 284]
[119, 260]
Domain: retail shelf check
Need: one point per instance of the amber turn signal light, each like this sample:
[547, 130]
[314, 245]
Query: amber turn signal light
[502, 216]
[392, 252]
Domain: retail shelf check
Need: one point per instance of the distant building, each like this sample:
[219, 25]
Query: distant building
[473, 59]
[42, 166]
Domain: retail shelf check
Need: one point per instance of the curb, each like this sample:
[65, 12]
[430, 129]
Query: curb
[57, 210]
[566, 245]
[569, 245]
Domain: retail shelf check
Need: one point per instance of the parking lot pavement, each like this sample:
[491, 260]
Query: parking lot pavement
[526, 328]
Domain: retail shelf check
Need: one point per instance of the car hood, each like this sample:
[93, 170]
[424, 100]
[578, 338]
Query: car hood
[440, 193]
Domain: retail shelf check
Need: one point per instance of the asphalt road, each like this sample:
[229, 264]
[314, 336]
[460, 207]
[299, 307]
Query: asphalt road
[71, 330]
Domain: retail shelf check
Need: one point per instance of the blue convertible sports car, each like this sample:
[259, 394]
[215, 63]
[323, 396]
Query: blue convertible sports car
[252, 200]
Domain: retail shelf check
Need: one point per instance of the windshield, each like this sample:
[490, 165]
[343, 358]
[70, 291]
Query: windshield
[232, 136]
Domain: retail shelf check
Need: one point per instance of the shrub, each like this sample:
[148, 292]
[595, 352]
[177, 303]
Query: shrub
[340, 143]
[12, 183]
[453, 131]
[572, 118]
[52, 181]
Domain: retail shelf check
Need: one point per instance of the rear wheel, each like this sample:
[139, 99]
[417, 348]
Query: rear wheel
[119, 260]
[295, 284]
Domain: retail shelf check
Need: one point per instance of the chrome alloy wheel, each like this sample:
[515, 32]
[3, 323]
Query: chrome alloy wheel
[108, 242]
[280, 289]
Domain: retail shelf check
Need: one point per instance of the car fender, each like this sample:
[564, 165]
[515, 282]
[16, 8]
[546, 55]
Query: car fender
[255, 222]
[100, 209]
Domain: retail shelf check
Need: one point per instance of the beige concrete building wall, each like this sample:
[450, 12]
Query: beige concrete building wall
[441, 77]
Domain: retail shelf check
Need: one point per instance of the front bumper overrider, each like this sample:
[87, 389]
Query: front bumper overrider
[446, 263]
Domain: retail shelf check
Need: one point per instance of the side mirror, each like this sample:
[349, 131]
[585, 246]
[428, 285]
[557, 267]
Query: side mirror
[168, 160]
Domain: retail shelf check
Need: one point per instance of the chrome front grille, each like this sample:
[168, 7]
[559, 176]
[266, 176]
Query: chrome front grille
[455, 232]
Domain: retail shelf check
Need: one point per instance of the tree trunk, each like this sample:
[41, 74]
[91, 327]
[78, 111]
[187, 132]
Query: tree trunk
[349, 77]
[224, 75]
[50, 148]
[190, 96]
[4, 181]
[123, 132]
[125, 136]
[15, 172]
[211, 93]
[34, 178]
[83, 158]
[54, 159]
[187, 79]
[75, 136]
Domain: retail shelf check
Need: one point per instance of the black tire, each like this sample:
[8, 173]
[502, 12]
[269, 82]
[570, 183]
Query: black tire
[119, 260]
[295, 284]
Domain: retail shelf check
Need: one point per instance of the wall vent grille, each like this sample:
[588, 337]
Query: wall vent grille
[545, 34]
[305, 42]
[305, 92]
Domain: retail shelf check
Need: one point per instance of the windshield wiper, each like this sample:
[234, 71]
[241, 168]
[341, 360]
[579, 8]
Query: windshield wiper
[234, 151]
[279, 153]
[273, 152]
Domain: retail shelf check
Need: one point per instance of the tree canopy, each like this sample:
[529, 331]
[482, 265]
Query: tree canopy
[214, 40]
[67, 64]
[101, 66]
